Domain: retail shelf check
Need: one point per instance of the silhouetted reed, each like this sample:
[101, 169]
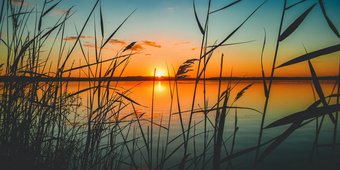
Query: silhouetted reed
[46, 125]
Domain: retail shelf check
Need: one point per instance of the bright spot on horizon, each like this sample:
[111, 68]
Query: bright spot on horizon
[159, 73]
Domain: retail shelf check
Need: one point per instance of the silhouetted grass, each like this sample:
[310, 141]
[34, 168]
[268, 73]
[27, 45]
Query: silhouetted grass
[46, 125]
[41, 126]
[296, 120]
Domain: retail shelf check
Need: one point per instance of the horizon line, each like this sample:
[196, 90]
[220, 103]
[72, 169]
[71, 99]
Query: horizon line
[151, 78]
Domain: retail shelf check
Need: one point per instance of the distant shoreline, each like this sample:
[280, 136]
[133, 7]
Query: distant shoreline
[142, 78]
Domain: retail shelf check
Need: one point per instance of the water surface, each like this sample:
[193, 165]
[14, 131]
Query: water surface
[287, 97]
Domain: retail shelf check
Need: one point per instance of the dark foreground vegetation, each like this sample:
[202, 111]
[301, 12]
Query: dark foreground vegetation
[40, 122]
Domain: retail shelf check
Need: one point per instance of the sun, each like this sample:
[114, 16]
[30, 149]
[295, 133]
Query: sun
[159, 73]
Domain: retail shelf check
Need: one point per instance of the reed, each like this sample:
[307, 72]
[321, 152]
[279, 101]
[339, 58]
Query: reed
[41, 125]
[47, 125]
[267, 93]
[297, 118]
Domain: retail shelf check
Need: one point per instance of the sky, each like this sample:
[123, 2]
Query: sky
[167, 34]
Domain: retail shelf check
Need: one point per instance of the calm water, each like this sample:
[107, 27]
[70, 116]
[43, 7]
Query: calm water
[287, 97]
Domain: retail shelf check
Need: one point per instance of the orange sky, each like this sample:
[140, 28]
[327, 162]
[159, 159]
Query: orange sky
[173, 52]
[167, 35]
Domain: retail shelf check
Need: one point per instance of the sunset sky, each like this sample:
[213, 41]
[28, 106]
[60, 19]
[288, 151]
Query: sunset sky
[167, 34]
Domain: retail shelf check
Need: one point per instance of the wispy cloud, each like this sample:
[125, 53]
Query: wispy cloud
[137, 47]
[90, 45]
[59, 11]
[182, 43]
[117, 42]
[152, 44]
[73, 38]
[19, 2]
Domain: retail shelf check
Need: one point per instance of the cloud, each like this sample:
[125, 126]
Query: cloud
[193, 49]
[147, 54]
[89, 45]
[59, 11]
[137, 47]
[73, 38]
[152, 44]
[182, 43]
[19, 2]
[118, 42]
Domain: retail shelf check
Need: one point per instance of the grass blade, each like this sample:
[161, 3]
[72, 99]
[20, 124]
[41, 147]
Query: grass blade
[101, 21]
[297, 3]
[240, 93]
[220, 132]
[130, 46]
[292, 27]
[233, 32]
[309, 113]
[129, 99]
[329, 22]
[317, 85]
[95, 63]
[114, 32]
[225, 7]
[236, 43]
[80, 34]
[311, 55]
[318, 88]
[49, 9]
[279, 140]
[196, 17]
[243, 152]
[262, 67]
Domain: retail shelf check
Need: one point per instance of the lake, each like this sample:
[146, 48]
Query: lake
[287, 97]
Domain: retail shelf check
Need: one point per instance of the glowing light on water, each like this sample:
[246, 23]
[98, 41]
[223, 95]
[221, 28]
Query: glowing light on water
[160, 87]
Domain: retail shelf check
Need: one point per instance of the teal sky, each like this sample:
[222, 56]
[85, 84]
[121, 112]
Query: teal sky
[171, 27]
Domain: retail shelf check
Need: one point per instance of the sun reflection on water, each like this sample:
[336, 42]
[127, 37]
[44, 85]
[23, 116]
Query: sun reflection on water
[159, 87]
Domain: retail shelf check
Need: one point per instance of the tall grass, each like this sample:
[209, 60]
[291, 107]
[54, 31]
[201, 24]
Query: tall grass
[46, 125]
[41, 123]
[295, 119]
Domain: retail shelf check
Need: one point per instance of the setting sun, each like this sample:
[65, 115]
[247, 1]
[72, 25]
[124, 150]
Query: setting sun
[159, 73]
